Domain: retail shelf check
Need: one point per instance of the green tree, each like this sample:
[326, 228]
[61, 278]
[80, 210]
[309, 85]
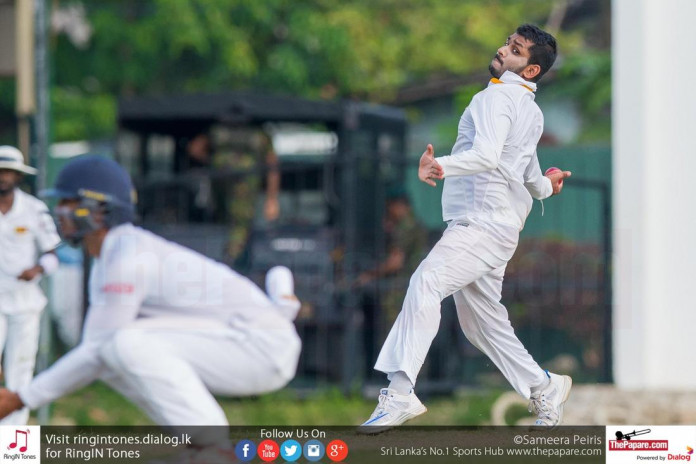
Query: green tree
[312, 48]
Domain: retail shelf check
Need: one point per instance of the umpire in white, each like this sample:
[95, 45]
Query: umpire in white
[166, 326]
[27, 239]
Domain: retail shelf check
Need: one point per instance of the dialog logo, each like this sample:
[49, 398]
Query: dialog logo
[245, 450]
[290, 450]
[681, 457]
[313, 450]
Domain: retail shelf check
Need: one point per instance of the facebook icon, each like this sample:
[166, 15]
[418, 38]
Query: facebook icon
[245, 450]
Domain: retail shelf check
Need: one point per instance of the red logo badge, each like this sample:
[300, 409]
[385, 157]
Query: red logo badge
[337, 450]
[268, 450]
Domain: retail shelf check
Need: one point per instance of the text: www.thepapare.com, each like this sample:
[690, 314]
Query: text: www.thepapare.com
[554, 452]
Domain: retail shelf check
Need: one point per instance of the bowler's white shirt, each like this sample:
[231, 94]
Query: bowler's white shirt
[26, 230]
[493, 171]
[141, 275]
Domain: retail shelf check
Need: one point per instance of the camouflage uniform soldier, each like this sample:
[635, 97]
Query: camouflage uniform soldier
[409, 237]
[246, 152]
[383, 287]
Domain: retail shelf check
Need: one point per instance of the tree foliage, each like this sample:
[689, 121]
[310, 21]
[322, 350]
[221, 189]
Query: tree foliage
[587, 79]
[314, 48]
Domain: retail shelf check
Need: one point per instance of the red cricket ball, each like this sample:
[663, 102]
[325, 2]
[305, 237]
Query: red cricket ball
[553, 169]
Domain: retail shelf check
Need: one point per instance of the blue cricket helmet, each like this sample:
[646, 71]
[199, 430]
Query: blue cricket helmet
[101, 185]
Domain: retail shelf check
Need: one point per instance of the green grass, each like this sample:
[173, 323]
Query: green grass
[97, 404]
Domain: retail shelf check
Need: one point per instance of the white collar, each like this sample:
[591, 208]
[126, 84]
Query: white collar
[510, 77]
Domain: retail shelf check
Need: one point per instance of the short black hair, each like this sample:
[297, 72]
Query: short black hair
[543, 52]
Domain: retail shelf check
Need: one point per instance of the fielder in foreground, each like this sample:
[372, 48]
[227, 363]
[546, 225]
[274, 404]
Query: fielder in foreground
[490, 179]
[165, 326]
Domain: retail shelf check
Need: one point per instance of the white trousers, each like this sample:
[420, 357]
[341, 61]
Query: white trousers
[468, 262]
[19, 342]
[171, 367]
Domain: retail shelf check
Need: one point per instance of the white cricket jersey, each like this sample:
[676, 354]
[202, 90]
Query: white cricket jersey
[141, 275]
[493, 171]
[26, 230]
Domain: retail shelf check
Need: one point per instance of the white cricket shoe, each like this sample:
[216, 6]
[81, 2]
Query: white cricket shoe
[392, 409]
[280, 288]
[548, 403]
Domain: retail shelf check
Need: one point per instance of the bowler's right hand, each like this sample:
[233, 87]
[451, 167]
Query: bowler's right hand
[556, 176]
[428, 168]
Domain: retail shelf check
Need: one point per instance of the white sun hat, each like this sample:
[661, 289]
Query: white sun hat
[11, 158]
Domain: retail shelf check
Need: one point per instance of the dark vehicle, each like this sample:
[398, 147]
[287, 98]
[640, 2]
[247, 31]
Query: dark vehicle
[259, 180]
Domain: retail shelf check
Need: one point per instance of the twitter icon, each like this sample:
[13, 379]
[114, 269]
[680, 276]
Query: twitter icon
[290, 450]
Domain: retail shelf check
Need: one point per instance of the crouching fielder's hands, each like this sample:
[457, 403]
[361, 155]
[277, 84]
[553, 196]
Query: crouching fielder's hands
[556, 177]
[428, 168]
[9, 402]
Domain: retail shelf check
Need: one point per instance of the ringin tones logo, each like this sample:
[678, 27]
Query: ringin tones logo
[20, 443]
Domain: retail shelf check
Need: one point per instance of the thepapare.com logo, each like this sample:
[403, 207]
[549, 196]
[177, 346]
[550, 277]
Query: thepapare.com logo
[628, 442]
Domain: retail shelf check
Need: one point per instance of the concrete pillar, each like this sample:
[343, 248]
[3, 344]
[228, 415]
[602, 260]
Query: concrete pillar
[654, 200]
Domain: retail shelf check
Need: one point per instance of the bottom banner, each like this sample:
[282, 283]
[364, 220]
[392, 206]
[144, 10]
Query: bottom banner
[213, 445]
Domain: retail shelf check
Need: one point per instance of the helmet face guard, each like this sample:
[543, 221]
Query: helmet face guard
[75, 223]
[104, 194]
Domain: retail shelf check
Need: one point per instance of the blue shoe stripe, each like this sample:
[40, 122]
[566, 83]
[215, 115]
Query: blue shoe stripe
[378, 417]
